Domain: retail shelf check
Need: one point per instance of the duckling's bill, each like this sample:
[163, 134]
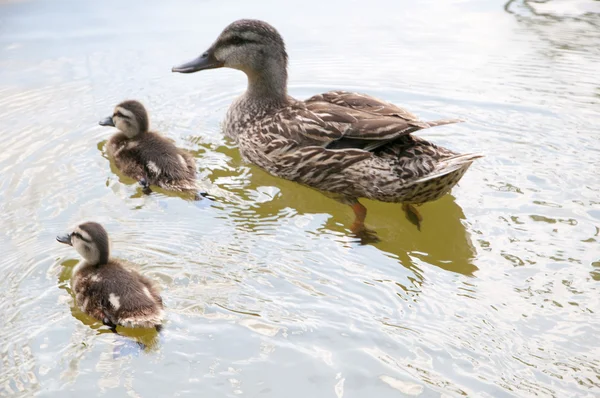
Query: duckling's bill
[205, 61]
[107, 122]
[66, 239]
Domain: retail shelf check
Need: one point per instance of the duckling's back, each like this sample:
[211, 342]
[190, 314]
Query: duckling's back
[118, 296]
[154, 158]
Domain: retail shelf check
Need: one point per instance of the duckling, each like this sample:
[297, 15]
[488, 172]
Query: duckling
[347, 145]
[105, 289]
[145, 155]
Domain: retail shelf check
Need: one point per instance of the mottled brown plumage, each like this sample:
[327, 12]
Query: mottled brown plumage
[108, 290]
[145, 155]
[348, 145]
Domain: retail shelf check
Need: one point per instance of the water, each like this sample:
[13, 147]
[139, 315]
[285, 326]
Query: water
[267, 292]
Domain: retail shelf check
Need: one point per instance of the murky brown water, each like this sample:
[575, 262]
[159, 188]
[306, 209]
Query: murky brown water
[267, 293]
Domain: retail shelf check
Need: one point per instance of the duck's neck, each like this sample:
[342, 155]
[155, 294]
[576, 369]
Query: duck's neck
[133, 134]
[268, 87]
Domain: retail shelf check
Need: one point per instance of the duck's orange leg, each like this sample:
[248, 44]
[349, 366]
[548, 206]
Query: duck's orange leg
[412, 214]
[360, 213]
[358, 226]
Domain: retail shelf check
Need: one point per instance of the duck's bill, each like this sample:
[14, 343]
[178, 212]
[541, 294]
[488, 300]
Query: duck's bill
[205, 61]
[66, 239]
[107, 122]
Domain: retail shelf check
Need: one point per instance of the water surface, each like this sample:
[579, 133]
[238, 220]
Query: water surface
[267, 292]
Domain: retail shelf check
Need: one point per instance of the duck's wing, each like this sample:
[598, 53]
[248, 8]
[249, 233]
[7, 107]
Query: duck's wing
[363, 102]
[164, 163]
[332, 136]
[312, 164]
[324, 121]
[317, 139]
[152, 289]
[339, 127]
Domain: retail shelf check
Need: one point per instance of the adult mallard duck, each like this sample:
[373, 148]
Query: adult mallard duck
[345, 144]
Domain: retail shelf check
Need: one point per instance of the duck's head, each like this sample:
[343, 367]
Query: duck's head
[130, 117]
[91, 242]
[249, 45]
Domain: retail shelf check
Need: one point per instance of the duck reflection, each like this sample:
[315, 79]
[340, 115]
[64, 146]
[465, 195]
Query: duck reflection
[553, 10]
[443, 240]
[562, 25]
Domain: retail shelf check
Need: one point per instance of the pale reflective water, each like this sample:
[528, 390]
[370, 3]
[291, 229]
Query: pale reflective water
[267, 293]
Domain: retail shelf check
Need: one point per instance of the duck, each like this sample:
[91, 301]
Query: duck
[345, 144]
[145, 155]
[106, 288]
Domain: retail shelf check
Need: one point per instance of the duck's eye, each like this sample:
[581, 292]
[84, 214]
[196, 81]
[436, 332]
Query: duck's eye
[119, 114]
[238, 41]
[78, 235]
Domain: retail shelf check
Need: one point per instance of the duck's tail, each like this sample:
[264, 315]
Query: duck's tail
[179, 186]
[145, 320]
[450, 165]
[441, 122]
[190, 189]
[441, 180]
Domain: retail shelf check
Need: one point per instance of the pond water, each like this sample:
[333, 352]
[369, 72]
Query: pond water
[268, 294]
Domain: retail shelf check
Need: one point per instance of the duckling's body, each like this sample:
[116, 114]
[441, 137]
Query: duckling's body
[154, 159]
[348, 145]
[117, 295]
[147, 156]
[106, 288]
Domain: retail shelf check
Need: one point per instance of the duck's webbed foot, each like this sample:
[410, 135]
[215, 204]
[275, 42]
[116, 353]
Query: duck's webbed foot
[358, 226]
[145, 186]
[412, 214]
[111, 325]
[203, 195]
[365, 235]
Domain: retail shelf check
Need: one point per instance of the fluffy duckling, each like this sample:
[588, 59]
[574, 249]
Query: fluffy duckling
[348, 145]
[105, 289]
[145, 155]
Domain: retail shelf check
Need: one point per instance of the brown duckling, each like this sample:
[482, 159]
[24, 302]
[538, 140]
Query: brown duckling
[105, 288]
[145, 155]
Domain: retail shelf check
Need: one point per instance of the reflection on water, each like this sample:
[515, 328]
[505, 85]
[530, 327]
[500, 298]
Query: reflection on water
[555, 9]
[266, 291]
[269, 199]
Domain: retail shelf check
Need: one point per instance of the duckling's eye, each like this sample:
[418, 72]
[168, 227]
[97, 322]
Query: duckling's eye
[78, 235]
[119, 114]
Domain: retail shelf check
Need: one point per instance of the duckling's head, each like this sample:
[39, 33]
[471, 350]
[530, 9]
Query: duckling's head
[91, 242]
[130, 117]
[252, 46]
